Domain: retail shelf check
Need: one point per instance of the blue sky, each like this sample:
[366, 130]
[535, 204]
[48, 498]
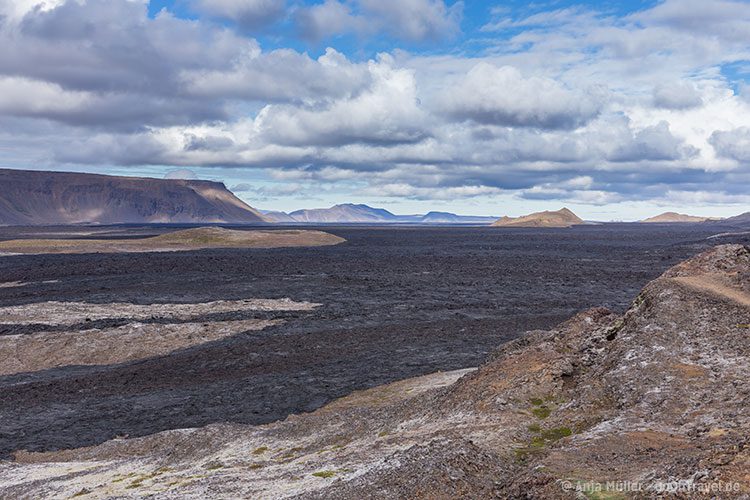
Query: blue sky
[618, 111]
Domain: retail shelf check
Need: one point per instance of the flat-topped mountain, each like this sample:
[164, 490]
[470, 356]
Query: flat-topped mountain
[560, 218]
[674, 217]
[40, 198]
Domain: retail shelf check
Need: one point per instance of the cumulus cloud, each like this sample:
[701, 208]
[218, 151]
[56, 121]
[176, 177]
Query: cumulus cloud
[249, 14]
[328, 18]
[120, 149]
[571, 191]
[207, 142]
[280, 75]
[386, 113]
[268, 191]
[117, 111]
[431, 193]
[411, 20]
[16, 9]
[106, 64]
[502, 96]
[416, 19]
[652, 143]
[681, 95]
[729, 20]
[734, 144]
[569, 104]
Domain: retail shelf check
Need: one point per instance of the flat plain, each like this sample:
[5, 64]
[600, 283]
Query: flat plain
[253, 335]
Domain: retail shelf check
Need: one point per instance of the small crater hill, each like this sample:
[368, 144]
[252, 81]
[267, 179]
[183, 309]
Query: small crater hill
[655, 397]
[560, 218]
[186, 239]
[674, 217]
[46, 198]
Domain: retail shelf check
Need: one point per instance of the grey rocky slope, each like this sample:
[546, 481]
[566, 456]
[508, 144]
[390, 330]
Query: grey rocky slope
[39, 198]
[656, 396]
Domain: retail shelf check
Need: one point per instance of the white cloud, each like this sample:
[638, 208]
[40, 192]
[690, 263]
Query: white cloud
[734, 144]
[680, 95]
[329, 18]
[416, 19]
[16, 9]
[386, 113]
[502, 96]
[249, 14]
[23, 96]
[430, 193]
[570, 104]
[280, 75]
[729, 20]
[412, 20]
[652, 143]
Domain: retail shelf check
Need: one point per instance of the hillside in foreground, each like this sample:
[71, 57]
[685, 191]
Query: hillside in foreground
[46, 198]
[657, 397]
[559, 218]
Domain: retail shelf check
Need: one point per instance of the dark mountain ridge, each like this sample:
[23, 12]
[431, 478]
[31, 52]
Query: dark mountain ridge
[742, 219]
[39, 198]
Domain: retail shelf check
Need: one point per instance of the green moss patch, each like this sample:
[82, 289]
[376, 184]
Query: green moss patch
[542, 412]
[556, 433]
[324, 473]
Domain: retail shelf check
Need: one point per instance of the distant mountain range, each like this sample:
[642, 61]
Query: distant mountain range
[40, 198]
[48, 198]
[358, 213]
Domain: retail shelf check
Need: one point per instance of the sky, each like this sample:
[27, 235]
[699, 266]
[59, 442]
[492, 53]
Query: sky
[618, 111]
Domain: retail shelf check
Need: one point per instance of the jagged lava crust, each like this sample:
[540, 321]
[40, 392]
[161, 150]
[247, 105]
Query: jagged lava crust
[657, 394]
